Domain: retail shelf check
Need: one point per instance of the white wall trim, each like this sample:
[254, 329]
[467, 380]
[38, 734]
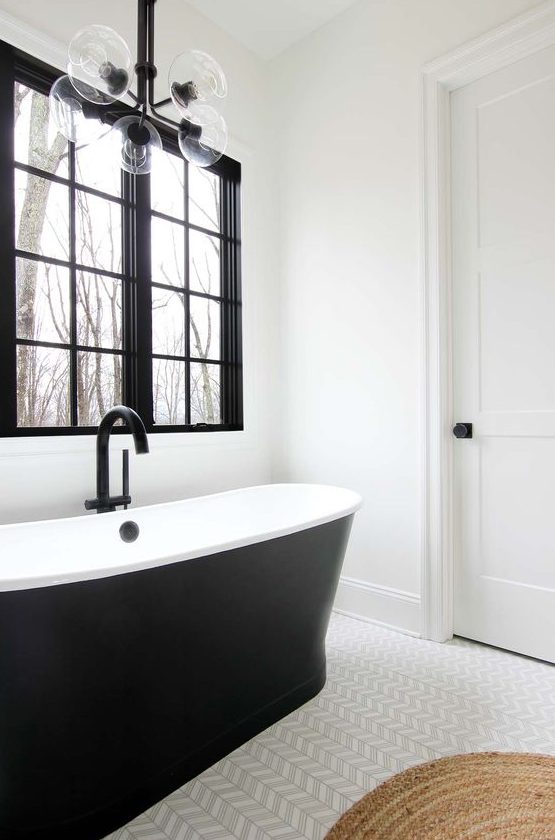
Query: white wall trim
[504, 45]
[32, 41]
[383, 605]
[75, 444]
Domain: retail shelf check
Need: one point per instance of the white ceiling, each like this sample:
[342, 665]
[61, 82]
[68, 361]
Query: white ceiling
[267, 27]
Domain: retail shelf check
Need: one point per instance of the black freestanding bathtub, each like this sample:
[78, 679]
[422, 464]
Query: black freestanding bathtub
[128, 668]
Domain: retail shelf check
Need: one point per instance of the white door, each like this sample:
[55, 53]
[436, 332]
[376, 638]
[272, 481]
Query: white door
[503, 239]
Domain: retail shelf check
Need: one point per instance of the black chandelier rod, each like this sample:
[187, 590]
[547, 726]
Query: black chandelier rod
[145, 67]
[145, 71]
[142, 65]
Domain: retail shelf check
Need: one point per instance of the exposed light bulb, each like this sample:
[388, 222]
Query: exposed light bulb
[195, 80]
[134, 157]
[100, 71]
[99, 64]
[137, 141]
[203, 145]
[74, 117]
[116, 78]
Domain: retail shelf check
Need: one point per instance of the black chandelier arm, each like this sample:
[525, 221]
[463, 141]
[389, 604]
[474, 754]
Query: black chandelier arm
[117, 111]
[161, 103]
[163, 119]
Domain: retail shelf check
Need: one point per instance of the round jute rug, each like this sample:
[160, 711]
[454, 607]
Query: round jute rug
[480, 796]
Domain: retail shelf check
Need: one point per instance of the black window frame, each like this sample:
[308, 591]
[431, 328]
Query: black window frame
[17, 66]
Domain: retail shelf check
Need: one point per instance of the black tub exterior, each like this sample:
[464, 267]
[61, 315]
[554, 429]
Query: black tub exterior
[116, 691]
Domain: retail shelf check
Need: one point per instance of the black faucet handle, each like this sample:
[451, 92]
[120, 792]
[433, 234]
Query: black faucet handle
[107, 504]
[116, 501]
[125, 473]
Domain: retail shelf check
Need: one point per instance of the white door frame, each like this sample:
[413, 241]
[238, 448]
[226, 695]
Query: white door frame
[517, 39]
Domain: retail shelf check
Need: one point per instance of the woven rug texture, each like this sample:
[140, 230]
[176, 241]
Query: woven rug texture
[479, 796]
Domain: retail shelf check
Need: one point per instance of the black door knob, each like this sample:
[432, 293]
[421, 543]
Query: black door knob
[462, 430]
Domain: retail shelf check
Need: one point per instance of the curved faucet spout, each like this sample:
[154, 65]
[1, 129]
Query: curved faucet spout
[136, 426]
[104, 502]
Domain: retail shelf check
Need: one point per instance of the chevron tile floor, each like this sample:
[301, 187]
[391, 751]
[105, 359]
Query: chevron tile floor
[390, 702]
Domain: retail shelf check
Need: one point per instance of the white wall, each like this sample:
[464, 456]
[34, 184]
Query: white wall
[349, 168]
[340, 403]
[43, 478]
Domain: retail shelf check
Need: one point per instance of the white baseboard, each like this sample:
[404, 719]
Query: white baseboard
[382, 605]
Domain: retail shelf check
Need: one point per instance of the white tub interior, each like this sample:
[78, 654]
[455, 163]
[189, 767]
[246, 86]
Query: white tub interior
[56, 551]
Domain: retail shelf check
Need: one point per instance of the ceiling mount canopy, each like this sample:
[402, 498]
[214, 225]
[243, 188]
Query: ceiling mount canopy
[86, 103]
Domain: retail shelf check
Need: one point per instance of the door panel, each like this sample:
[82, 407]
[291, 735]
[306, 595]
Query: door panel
[503, 241]
[517, 337]
[517, 526]
[515, 159]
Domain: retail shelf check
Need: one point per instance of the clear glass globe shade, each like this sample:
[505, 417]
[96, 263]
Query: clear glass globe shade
[74, 117]
[203, 145]
[137, 145]
[100, 65]
[195, 78]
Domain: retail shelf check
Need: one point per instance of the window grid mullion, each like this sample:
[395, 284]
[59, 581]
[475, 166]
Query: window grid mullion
[74, 418]
[180, 289]
[8, 310]
[67, 182]
[187, 307]
[128, 332]
[86, 269]
[142, 262]
[165, 217]
[81, 348]
[224, 310]
[194, 359]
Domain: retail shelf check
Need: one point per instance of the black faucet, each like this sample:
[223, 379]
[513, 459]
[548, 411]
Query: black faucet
[104, 502]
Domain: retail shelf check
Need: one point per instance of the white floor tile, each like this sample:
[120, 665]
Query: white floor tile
[390, 702]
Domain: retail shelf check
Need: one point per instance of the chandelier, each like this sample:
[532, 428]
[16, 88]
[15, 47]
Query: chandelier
[87, 102]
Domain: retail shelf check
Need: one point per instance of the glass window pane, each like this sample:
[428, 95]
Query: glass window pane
[42, 386]
[99, 377]
[204, 198]
[167, 185]
[168, 322]
[168, 387]
[168, 249]
[36, 138]
[98, 241]
[41, 216]
[204, 263]
[42, 301]
[205, 393]
[205, 328]
[98, 311]
[97, 166]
